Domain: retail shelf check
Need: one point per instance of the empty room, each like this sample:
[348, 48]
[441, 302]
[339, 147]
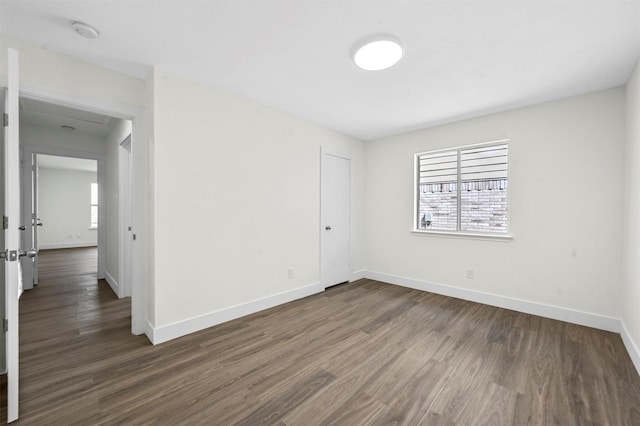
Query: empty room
[322, 212]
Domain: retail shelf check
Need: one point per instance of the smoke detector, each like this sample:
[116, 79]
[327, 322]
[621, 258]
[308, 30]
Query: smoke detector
[85, 30]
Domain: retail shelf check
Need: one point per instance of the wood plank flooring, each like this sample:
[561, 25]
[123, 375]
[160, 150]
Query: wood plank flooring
[360, 353]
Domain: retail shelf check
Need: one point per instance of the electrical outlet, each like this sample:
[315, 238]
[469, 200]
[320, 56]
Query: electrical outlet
[469, 272]
[290, 273]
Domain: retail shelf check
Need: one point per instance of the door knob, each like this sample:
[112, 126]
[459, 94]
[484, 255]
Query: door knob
[39, 224]
[22, 228]
[328, 228]
[31, 253]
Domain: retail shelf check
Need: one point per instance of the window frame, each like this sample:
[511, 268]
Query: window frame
[458, 232]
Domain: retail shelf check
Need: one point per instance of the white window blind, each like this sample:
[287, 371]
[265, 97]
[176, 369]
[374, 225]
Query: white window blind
[484, 164]
[438, 190]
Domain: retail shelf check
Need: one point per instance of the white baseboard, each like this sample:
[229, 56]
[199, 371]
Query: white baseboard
[182, 328]
[358, 275]
[630, 345]
[112, 283]
[548, 311]
[74, 244]
[149, 331]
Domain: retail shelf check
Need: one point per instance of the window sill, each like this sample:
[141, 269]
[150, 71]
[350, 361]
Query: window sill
[93, 228]
[466, 235]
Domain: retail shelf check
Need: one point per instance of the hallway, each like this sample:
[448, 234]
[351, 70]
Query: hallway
[72, 329]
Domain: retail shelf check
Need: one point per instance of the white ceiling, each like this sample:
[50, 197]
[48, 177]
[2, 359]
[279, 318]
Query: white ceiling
[45, 114]
[66, 163]
[462, 58]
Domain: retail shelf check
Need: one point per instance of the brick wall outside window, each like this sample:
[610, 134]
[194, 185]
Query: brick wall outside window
[483, 206]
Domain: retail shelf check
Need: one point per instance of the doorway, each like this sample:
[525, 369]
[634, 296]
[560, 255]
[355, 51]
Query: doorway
[66, 135]
[62, 210]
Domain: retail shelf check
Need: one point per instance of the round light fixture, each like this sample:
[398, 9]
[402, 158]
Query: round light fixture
[378, 55]
[85, 30]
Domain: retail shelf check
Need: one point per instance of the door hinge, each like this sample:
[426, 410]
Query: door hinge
[5, 222]
[5, 119]
[5, 325]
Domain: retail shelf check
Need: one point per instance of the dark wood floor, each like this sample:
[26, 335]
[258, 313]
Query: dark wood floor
[361, 353]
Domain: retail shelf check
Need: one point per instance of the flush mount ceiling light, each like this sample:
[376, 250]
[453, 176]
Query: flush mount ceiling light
[67, 128]
[378, 54]
[85, 30]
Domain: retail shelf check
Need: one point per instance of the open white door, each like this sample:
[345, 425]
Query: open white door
[11, 223]
[335, 207]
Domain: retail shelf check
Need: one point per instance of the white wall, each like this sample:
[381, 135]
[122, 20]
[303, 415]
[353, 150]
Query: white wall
[631, 290]
[565, 180]
[64, 208]
[60, 76]
[119, 131]
[147, 207]
[236, 200]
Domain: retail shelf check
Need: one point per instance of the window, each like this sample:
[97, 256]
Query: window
[463, 189]
[94, 206]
